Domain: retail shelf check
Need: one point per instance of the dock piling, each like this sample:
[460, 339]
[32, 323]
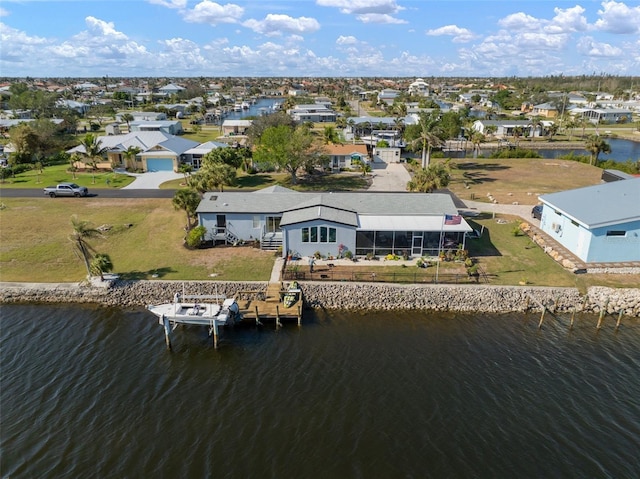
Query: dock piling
[167, 331]
[544, 310]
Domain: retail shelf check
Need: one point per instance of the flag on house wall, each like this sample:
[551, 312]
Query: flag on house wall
[452, 219]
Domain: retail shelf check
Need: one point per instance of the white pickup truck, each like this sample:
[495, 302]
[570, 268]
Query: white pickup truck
[66, 189]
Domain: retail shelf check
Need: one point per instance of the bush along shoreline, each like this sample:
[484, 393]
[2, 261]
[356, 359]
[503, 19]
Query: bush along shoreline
[345, 296]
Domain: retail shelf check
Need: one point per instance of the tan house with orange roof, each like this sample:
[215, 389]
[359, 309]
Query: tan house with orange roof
[346, 156]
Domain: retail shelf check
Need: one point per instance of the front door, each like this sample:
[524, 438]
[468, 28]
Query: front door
[221, 223]
[416, 245]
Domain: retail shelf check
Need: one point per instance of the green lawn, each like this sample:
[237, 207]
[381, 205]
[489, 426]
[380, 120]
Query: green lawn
[52, 175]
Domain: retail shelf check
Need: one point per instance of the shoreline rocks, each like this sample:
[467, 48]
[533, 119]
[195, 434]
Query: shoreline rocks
[343, 296]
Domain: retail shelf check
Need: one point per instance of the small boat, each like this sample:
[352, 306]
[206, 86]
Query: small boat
[188, 309]
[292, 295]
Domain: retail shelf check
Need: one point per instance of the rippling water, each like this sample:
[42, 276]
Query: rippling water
[92, 392]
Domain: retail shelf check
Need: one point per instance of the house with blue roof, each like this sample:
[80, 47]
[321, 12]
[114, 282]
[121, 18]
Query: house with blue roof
[360, 222]
[599, 223]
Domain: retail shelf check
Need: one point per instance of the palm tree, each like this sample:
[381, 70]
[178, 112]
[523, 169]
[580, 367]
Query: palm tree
[536, 123]
[100, 264]
[82, 231]
[433, 177]
[476, 138]
[330, 135]
[552, 129]
[128, 118]
[428, 136]
[188, 200]
[130, 157]
[92, 150]
[185, 169]
[352, 125]
[596, 145]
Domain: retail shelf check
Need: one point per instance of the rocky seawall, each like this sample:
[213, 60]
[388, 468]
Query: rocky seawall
[344, 296]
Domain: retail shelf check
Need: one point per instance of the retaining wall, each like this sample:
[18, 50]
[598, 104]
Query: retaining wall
[344, 296]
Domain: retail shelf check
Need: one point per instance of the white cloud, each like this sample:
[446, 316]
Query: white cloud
[588, 46]
[3, 12]
[569, 20]
[618, 18]
[101, 28]
[213, 13]
[520, 22]
[348, 40]
[275, 24]
[379, 18]
[170, 3]
[460, 35]
[367, 11]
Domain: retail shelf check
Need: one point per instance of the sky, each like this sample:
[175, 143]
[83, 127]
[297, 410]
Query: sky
[318, 38]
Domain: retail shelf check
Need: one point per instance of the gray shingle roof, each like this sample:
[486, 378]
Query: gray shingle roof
[600, 205]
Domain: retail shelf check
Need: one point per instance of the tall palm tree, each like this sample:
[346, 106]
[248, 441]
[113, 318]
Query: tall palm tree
[82, 231]
[185, 169]
[536, 123]
[188, 200]
[476, 139]
[93, 152]
[428, 136]
[596, 145]
[127, 118]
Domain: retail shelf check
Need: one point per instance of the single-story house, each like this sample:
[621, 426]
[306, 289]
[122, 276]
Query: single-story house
[317, 113]
[506, 128]
[235, 127]
[346, 156]
[158, 151]
[170, 89]
[603, 115]
[142, 116]
[193, 156]
[599, 223]
[546, 110]
[303, 223]
[171, 127]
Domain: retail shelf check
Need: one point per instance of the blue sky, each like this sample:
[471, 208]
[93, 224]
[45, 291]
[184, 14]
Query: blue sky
[408, 38]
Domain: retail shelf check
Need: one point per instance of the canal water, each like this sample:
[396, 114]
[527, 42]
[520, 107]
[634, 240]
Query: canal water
[92, 392]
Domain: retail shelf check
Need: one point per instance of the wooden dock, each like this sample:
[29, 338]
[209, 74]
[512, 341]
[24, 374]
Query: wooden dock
[260, 306]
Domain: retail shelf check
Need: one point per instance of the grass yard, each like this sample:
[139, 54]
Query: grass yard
[52, 175]
[521, 180]
[35, 246]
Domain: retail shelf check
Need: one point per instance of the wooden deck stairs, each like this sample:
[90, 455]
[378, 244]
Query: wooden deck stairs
[273, 292]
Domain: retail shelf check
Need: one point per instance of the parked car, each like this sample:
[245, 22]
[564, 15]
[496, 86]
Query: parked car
[66, 189]
[536, 212]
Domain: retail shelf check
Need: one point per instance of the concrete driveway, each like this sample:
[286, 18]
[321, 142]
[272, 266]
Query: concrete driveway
[389, 177]
[151, 180]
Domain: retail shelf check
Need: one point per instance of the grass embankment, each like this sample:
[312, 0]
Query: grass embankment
[35, 245]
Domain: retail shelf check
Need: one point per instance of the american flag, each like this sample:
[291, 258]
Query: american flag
[452, 219]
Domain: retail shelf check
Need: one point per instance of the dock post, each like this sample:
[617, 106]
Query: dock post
[619, 319]
[555, 304]
[299, 315]
[544, 310]
[526, 304]
[603, 311]
[214, 331]
[278, 323]
[167, 331]
[258, 323]
[573, 314]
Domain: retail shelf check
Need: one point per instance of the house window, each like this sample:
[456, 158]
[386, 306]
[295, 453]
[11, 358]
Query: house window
[256, 221]
[616, 233]
[322, 234]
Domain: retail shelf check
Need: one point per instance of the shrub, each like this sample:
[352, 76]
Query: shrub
[348, 254]
[195, 236]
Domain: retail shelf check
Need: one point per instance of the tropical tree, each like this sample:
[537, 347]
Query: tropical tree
[289, 149]
[186, 199]
[330, 135]
[127, 118]
[185, 169]
[229, 156]
[434, 177]
[426, 135]
[130, 155]
[536, 124]
[596, 145]
[100, 264]
[477, 138]
[214, 176]
[93, 152]
[552, 130]
[82, 232]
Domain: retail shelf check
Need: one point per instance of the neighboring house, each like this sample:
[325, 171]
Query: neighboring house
[603, 115]
[317, 113]
[235, 127]
[171, 127]
[419, 87]
[546, 110]
[142, 116]
[170, 89]
[506, 128]
[346, 156]
[387, 155]
[309, 222]
[193, 156]
[79, 107]
[158, 151]
[387, 96]
[598, 223]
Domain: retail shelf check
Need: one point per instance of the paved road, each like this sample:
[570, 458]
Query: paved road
[97, 193]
